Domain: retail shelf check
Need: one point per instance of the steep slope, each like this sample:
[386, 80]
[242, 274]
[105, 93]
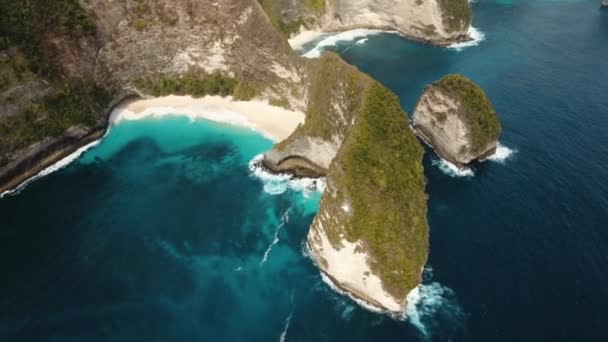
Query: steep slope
[456, 118]
[439, 22]
[66, 64]
[370, 235]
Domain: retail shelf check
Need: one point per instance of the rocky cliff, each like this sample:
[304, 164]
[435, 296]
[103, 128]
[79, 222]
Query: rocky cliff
[438, 22]
[67, 63]
[370, 235]
[456, 118]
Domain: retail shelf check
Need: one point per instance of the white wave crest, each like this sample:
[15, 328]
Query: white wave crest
[476, 37]
[451, 169]
[361, 41]
[333, 39]
[276, 184]
[327, 280]
[284, 221]
[427, 302]
[55, 167]
[284, 332]
[502, 153]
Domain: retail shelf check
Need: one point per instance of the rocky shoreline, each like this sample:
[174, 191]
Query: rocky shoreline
[414, 38]
[44, 155]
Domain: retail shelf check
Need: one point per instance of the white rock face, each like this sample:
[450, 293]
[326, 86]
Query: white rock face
[437, 122]
[417, 19]
[312, 153]
[348, 266]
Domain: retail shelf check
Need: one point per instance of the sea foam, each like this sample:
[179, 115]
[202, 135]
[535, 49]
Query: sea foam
[502, 153]
[334, 39]
[451, 169]
[276, 184]
[284, 332]
[431, 303]
[55, 167]
[284, 221]
[476, 38]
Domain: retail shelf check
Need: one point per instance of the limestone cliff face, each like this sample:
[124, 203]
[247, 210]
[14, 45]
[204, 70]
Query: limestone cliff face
[125, 42]
[147, 38]
[436, 21]
[456, 118]
[370, 235]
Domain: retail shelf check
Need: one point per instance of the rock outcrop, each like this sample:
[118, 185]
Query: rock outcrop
[111, 47]
[370, 236]
[455, 117]
[439, 22]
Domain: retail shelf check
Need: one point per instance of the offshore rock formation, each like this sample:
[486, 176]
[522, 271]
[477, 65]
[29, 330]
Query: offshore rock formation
[456, 118]
[370, 236]
[71, 61]
[439, 22]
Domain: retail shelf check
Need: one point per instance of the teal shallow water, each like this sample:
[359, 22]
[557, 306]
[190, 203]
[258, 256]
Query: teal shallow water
[159, 232]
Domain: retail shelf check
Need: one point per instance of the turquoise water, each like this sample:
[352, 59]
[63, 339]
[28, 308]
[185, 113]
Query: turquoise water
[160, 232]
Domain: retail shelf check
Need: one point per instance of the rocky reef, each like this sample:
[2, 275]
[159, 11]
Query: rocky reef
[455, 117]
[370, 236]
[439, 22]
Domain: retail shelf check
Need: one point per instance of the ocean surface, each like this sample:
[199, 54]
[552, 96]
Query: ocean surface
[162, 232]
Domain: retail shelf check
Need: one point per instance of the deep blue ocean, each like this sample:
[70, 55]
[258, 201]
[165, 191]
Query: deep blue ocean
[162, 233]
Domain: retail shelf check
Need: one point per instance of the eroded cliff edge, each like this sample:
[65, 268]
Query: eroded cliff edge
[440, 22]
[67, 63]
[455, 117]
[370, 235]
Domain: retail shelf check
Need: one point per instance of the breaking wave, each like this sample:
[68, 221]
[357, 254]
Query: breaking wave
[502, 153]
[431, 306]
[284, 221]
[333, 39]
[451, 169]
[327, 280]
[476, 37]
[55, 167]
[361, 41]
[284, 332]
[276, 184]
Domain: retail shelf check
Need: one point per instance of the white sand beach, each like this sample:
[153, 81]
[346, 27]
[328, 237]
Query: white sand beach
[275, 123]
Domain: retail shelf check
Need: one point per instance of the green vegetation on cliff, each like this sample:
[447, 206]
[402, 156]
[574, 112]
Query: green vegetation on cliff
[198, 84]
[383, 174]
[30, 33]
[275, 10]
[28, 25]
[456, 14]
[476, 109]
[76, 103]
[377, 170]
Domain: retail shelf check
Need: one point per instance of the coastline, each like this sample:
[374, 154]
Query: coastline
[275, 123]
[472, 38]
[36, 166]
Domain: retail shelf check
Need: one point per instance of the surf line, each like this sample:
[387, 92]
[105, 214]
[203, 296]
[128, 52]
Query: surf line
[284, 221]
